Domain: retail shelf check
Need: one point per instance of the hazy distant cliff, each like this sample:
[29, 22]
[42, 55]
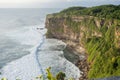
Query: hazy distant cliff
[95, 32]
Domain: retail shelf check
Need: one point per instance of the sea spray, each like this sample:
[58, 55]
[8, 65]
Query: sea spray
[52, 50]
[49, 54]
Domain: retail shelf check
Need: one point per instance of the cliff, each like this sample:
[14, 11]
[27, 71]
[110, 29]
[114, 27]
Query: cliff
[72, 29]
[92, 35]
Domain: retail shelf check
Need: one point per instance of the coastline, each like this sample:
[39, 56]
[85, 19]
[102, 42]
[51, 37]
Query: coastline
[49, 55]
[80, 60]
[70, 55]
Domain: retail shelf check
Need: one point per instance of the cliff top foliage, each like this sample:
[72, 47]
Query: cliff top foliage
[105, 11]
[99, 35]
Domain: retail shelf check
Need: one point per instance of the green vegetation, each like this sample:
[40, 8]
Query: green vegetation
[86, 22]
[103, 50]
[101, 42]
[105, 11]
[59, 76]
[99, 28]
[104, 55]
[75, 26]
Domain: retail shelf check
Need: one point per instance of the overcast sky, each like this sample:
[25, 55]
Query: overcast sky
[53, 3]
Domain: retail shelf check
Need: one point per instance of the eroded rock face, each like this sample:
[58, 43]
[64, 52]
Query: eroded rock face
[58, 28]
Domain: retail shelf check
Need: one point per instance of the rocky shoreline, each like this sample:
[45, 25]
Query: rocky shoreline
[80, 60]
[80, 31]
[84, 66]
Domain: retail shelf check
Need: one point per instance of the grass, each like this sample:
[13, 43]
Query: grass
[104, 55]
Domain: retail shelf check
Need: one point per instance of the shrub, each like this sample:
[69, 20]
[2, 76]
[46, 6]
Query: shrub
[59, 76]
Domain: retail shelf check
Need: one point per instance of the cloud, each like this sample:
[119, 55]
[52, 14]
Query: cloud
[37, 1]
[53, 3]
[73, 0]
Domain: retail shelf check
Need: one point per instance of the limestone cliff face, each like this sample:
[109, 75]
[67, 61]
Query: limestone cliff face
[58, 29]
[72, 29]
[92, 31]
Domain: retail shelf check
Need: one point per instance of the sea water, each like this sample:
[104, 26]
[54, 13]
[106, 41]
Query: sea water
[25, 52]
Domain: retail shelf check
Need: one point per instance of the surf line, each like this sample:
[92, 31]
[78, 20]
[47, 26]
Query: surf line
[36, 54]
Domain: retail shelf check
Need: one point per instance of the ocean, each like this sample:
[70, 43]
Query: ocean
[25, 53]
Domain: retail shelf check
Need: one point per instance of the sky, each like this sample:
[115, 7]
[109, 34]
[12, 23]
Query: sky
[54, 3]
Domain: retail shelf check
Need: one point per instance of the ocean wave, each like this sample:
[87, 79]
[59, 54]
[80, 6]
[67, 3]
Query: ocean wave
[49, 54]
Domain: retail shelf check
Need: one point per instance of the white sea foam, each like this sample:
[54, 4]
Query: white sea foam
[26, 35]
[18, 38]
[26, 67]
[50, 54]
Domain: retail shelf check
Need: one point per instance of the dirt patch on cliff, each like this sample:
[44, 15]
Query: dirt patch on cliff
[84, 66]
